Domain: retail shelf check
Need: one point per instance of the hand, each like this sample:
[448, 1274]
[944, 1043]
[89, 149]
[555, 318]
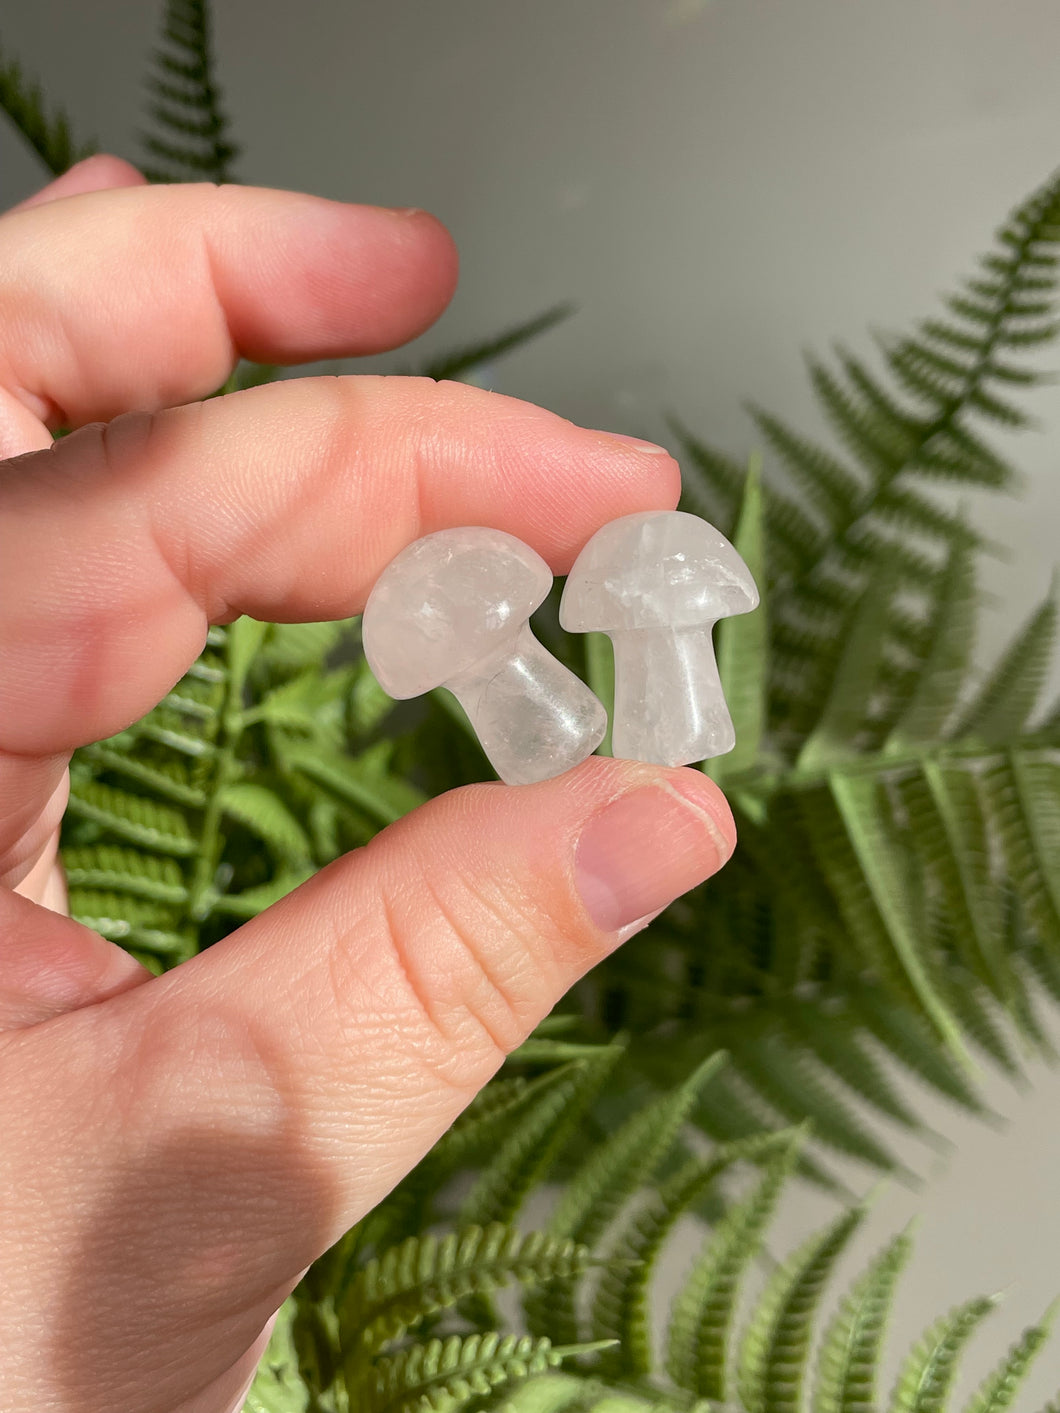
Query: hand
[177, 1149]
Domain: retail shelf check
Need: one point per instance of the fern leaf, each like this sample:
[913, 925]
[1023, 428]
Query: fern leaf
[113, 869]
[848, 702]
[48, 133]
[466, 360]
[1009, 695]
[848, 1363]
[776, 1346]
[531, 1144]
[443, 1374]
[251, 901]
[905, 1037]
[835, 490]
[743, 643]
[608, 1178]
[946, 663]
[137, 922]
[788, 1081]
[833, 1036]
[858, 802]
[1006, 792]
[167, 779]
[132, 818]
[704, 1310]
[191, 131]
[628, 1157]
[397, 1289]
[926, 1377]
[999, 1388]
[622, 1306]
[364, 780]
[265, 815]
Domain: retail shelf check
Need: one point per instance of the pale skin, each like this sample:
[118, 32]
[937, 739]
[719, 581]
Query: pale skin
[177, 1150]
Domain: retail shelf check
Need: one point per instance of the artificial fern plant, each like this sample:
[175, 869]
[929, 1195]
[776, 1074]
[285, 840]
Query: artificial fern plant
[894, 903]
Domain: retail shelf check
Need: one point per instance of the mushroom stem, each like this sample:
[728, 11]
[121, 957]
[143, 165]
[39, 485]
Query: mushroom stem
[534, 718]
[669, 704]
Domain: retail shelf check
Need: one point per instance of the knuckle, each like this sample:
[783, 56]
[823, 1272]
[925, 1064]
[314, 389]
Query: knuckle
[469, 963]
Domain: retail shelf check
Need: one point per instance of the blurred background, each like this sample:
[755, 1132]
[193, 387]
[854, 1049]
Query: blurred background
[717, 185]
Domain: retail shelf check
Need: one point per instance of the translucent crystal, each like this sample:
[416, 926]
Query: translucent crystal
[656, 583]
[452, 611]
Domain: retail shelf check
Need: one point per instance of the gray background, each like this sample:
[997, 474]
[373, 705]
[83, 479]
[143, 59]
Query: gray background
[719, 185]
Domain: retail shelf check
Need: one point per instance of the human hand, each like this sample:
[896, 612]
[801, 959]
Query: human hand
[177, 1149]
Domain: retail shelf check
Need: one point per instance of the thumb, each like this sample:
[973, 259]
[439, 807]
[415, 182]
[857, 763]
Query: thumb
[270, 1091]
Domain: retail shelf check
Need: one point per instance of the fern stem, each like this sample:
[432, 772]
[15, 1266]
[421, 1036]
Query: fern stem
[203, 892]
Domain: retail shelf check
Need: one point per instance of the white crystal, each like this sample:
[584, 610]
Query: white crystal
[452, 610]
[656, 583]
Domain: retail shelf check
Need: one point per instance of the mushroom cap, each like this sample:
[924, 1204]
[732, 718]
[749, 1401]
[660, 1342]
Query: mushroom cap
[446, 602]
[655, 569]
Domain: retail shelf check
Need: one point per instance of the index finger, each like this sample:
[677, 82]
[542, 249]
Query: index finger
[120, 544]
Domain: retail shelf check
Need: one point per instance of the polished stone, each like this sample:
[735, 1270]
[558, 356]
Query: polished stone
[656, 583]
[452, 610]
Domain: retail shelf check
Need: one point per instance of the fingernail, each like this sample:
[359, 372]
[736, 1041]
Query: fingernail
[648, 847]
[649, 448]
[405, 210]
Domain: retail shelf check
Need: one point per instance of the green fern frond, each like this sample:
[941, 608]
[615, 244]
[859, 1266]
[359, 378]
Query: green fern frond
[132, 818]
[532, 1143]
[776, 1345]
[849, 1359]
[926, 1377]
[267, 817]
[1010, 694]
[443, 1375]
[46, 130]
[606, 1180]
[465, 361]
[114, 869]
[703, 1314]
[364, 780]
[190, 131]
[627, 1158]
[425, 1274]
[1000, 1387]
[622, 1304]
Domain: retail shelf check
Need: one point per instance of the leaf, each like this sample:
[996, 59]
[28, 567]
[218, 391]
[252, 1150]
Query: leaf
[622, 1305]
[776, 1345]
[429, 1375]
[600, 677]
[363, 780]
[112, 868]
[265, 815]
[467, 360]
[526, 1151]
[704, 1311]
[251, 901]
[999, 1388]
[849, 698]
[1009, 695]
[424, 1274]
[926, 1377]
[132, 818]
[190, 131]
[47, 132]
[943, 671]
[849, 1360]
[857, 801]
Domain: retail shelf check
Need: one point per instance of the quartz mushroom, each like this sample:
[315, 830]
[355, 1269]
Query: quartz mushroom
[656, 583]
[452, 610]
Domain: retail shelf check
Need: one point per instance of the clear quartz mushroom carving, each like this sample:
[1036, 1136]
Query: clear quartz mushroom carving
[452, 610]
[656, 583]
